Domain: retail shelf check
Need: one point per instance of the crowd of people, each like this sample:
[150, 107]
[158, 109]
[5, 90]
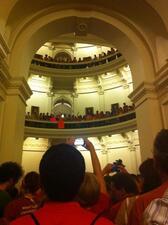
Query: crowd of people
[64, 59]
[115, 111]
[64, 193]
[64, 62]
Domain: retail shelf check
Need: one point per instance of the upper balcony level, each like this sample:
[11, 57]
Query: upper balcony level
[89, 67]
[105, 126]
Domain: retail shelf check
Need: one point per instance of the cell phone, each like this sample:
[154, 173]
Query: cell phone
[79, 142]
[114, 167]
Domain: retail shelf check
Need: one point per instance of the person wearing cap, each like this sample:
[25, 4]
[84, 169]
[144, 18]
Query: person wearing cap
[62, 170]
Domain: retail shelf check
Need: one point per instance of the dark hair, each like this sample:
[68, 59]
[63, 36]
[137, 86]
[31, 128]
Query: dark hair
[124, 181]
[151, 178]
[10, 170]
[161, 150]
[31, 182]
[13, 192]
[62, 170]
[107, 180]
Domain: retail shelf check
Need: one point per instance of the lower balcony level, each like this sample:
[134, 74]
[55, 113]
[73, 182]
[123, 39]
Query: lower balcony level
[105, 126]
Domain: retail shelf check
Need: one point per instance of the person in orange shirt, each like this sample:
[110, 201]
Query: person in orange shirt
[161, 158]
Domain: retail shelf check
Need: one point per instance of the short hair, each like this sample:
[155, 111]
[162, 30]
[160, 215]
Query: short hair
[124, 181]
[31, 182]
[62, 170]
[89, 191]
[10, 170]
[151, 178]
[161, 150]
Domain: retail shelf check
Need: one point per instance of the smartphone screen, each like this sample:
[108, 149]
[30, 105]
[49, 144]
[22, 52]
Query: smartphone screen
[79, 141]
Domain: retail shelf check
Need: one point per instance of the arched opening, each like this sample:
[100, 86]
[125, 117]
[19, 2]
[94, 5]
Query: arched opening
[101, 27]
[62, 107]
[129, 42]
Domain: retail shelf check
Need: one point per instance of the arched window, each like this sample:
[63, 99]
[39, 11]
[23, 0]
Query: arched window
[63, 57]
[62, 106]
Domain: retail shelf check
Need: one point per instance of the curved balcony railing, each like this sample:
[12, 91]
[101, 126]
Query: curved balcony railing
[77, 65]
[106, 126]
[81, 124]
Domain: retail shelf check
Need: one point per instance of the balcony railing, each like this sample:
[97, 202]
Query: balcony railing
[81, 124]
[76, 65]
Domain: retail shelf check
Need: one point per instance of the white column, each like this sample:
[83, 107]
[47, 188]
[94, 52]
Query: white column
[4, 83]
[75, 103]
[101, 94]
[12, 130]
[148, 114]
[161, 84]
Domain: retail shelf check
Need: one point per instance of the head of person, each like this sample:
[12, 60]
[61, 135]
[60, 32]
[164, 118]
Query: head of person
[13, 192]
[10, 173]
[107, 180]
[89, 191]
[161, 152]
[31, 182]
[139, 181]
[150, 175]
[62, 170]
[121, 186]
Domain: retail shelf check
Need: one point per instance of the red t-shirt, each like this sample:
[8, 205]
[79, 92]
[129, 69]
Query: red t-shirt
[19, 207]
[61, 213]
[61, 124]
[143, 201]
[101, 205]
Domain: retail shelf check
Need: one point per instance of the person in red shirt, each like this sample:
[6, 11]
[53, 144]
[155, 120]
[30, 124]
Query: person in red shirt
[93, 194]
[62, 170]
[161, 158]
[29, 201]
[61, 123]
[10, 173]
[122, 186]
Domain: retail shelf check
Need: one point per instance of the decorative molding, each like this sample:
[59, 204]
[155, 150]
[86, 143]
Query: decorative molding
[100, 91]
[50, 94]
[32, 144]
[4, 78]
[161, 82]
[4, 49]
[4, 74]
[153, 90]
[143, 92]
[74, 95]
[74, 73]
[84, 132]
[81, 28]
[19, 86]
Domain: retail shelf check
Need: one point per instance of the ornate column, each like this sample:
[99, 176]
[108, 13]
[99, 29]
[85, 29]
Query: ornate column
[148, 114]
[75, 98]
[104, 152]
[4, 80]
[101, 94]
[161, 84]
[17, 92]
[75, 103]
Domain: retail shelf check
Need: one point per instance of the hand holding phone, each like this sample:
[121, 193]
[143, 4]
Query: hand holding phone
[88, 145]
[79, 142]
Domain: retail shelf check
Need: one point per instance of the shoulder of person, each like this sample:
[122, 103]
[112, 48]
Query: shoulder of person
[23, 220]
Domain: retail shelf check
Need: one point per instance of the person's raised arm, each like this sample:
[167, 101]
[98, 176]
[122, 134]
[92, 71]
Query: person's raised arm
[96, 166]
